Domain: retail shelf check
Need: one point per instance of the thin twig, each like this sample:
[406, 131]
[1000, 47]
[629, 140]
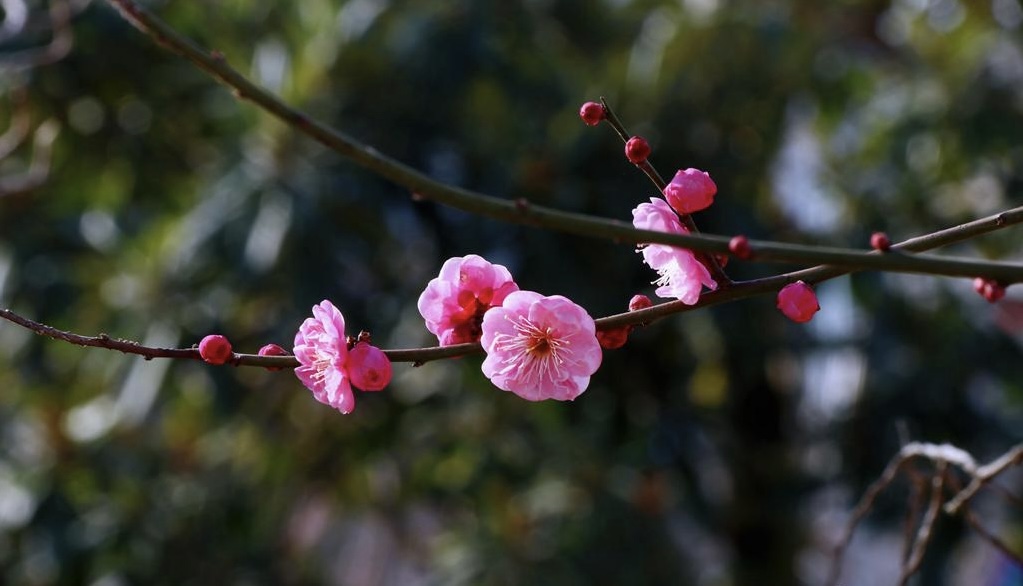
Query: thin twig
[917, 499]
[926, 530]
[984, 474]
[415, 355]
[648, 169]
[862, 508]
[943, 456]
[994, 540]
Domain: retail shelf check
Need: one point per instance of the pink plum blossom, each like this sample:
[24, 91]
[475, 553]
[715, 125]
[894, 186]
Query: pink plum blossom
[540, 347]
[690, 190]
[322, 352]
[798, 302]
[681, 275]
[454, 302]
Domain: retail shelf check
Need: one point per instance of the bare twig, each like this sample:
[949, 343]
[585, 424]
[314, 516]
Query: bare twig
[862, 508]
[415, 355]
[926, 530]
[994, 540]
[942, 456]
[917, 500]
[983, 475]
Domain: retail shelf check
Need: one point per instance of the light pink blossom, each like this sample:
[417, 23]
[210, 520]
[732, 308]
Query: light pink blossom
[540, 347]
[322, 352]
[690, 190]
[454, 302]
[681, 276]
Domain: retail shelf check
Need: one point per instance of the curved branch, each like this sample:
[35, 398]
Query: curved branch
[521, 211]
[419, 356]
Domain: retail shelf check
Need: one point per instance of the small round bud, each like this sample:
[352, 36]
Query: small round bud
[613, 338]
[739, 246]
[215, 349]
[637, 149]
[640, 302]
[272, 350]
[798, 302]
[691, 190]
[592, 113]
[880, 241]
[989, 289]
[368, 367]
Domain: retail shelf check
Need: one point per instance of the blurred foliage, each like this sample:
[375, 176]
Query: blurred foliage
[718, 447]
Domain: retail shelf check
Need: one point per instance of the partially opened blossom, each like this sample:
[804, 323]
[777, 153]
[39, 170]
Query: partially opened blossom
[681, 275]
[454, 302]
[690, 190]
[540, 347]
[322, 352]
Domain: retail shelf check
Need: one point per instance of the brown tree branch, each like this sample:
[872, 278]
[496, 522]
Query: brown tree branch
[521, 211]
[941, 456]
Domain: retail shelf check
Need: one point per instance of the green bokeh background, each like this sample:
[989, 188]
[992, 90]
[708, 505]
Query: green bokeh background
[723, 446]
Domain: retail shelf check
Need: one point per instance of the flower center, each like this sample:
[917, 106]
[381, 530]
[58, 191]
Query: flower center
[322, 364]
[668, 273]
[535, 352]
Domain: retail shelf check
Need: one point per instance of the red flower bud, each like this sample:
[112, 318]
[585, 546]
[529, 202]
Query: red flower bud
[640, 302]
[592, 113]
[613, 338]
[272, 350]
[215, 349]
[739, 246]
[637, 149]
[798, 302]
[880, 241]
[989, 289]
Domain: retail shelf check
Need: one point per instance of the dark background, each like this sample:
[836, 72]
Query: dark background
[722, 446]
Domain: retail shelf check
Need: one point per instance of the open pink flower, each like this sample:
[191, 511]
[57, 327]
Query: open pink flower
[329, 367]
[453, 304]
[322, 352]
[681, 276]
[540, 347]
